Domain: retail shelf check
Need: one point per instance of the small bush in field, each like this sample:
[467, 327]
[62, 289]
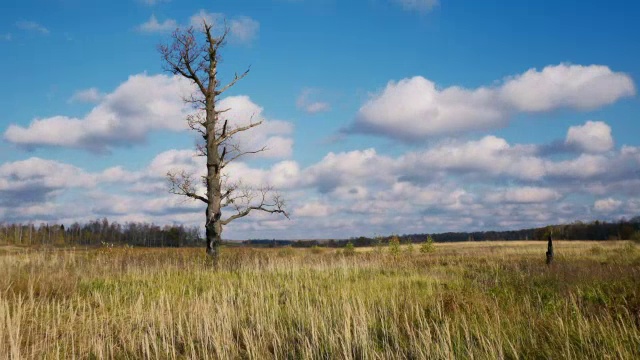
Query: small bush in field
[315, 249]
[427, 246]
[636, 237]
[394, 245]
[409, 249]
[286, 251]
[349, 249]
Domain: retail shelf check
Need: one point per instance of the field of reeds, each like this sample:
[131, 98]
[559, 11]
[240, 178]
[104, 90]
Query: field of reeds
[461, 301]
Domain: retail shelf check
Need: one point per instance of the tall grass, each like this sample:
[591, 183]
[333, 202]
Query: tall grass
[173, 304]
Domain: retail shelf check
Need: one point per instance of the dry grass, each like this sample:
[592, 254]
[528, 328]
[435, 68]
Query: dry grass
[469, 300]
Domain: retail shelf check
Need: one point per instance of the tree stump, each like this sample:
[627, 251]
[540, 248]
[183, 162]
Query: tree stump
[549, 250]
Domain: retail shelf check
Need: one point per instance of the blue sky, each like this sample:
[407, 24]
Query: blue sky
[382, 116]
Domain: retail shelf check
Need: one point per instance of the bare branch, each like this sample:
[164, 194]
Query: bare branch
[182, 55]
[221, 138]
[236, 78]
[238, 154]
[274, 205]
[182, 184]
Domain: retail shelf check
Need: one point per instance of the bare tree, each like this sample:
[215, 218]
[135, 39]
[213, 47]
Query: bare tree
[194, 55]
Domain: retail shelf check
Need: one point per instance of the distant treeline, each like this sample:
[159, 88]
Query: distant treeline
[597, 230]
[100, 232]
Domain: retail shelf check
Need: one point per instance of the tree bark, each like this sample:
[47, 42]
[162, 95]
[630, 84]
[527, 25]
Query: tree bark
[549, 250]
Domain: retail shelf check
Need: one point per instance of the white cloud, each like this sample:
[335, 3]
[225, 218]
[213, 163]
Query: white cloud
[143, 104]
[607, 205]
[176, 160]
[566, 86]
[124, 117]
[214, 19]
[490, 155]
[314, 209]
[282, 175]
[91, 95]
[415, 108]
[242, 29]
[592, 137]
[583, 167]
[524, 195]
[48, 173]
[36, 182]
[32, 26]
[273, 134]
[154, 26]
[418, 5]
[349, 168]
[305, 102]
[451, 186]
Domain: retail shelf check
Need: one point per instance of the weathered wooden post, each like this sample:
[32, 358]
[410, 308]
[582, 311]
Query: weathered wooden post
[549, 250]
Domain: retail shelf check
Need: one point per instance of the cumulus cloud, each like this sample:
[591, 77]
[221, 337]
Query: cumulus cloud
[215, 19]
[415, 108]
[524, 195]
[566, 86]
[141, 105]
[314, 209]
[154, 26]
[480, 184]
[307, 104]
[607, 205]
[36, 180]
[348, 168]
[124, 117]
[272, 134]
[242, 29]
[490, 155]
[592, 137]
[584, 166]
[91, 95]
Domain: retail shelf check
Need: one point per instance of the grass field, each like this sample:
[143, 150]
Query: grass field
[494, 300]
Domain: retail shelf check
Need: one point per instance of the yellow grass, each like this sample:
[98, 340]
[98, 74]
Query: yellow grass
[466, 300]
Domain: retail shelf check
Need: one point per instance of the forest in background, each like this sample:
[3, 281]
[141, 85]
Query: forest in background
[101, 232]
[597, 230]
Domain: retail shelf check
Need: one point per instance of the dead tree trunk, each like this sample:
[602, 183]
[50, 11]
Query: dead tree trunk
[194, 56]
[549, 250]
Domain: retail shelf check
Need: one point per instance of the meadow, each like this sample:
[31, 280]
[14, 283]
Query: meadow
[477, 300]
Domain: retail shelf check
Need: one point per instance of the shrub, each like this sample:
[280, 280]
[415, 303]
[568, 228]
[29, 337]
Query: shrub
[349, 249]
[427, 246]
[315, 249]
[394, 245]
[286, 251]
[409, 249]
